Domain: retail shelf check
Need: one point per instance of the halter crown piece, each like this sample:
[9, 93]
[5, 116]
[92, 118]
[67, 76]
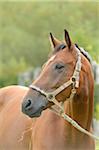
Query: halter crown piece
[59, 110]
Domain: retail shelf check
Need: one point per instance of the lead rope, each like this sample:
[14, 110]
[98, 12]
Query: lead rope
[62, 114]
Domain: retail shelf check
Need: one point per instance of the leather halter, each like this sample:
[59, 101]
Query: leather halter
[74, 81]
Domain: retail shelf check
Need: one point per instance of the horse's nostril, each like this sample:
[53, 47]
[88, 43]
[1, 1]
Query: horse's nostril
[28, 104]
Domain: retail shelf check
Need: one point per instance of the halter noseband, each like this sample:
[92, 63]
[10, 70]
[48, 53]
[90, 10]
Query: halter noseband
[74, 81]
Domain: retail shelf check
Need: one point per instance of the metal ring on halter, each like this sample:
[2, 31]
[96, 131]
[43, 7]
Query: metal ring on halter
[73, 79]
[50, 97]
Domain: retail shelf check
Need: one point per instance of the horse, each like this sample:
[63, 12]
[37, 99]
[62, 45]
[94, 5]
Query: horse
[50, 131]
[26, 119]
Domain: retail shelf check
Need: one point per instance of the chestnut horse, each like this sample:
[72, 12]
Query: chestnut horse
[52, 131]
[49, 131]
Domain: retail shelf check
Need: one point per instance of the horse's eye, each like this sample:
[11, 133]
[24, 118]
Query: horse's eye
[59, 66]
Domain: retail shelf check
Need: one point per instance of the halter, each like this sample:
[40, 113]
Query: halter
[74, 81]
[51, 96]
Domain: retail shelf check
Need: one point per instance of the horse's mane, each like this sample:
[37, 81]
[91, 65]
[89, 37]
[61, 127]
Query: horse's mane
[85, 53]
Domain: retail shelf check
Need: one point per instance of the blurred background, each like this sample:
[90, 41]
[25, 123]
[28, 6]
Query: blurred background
[24, 37]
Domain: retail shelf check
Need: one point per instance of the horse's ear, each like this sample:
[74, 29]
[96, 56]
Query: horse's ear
[54, 41]
[67, 39]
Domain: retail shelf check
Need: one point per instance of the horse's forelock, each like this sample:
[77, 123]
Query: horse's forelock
[59, 47]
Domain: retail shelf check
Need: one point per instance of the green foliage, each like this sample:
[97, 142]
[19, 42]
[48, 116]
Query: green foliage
[25, 27]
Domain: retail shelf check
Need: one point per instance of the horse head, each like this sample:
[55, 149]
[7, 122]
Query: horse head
[58, 70]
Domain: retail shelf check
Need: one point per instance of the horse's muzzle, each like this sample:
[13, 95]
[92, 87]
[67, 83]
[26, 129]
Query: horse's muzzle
[33, 107]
